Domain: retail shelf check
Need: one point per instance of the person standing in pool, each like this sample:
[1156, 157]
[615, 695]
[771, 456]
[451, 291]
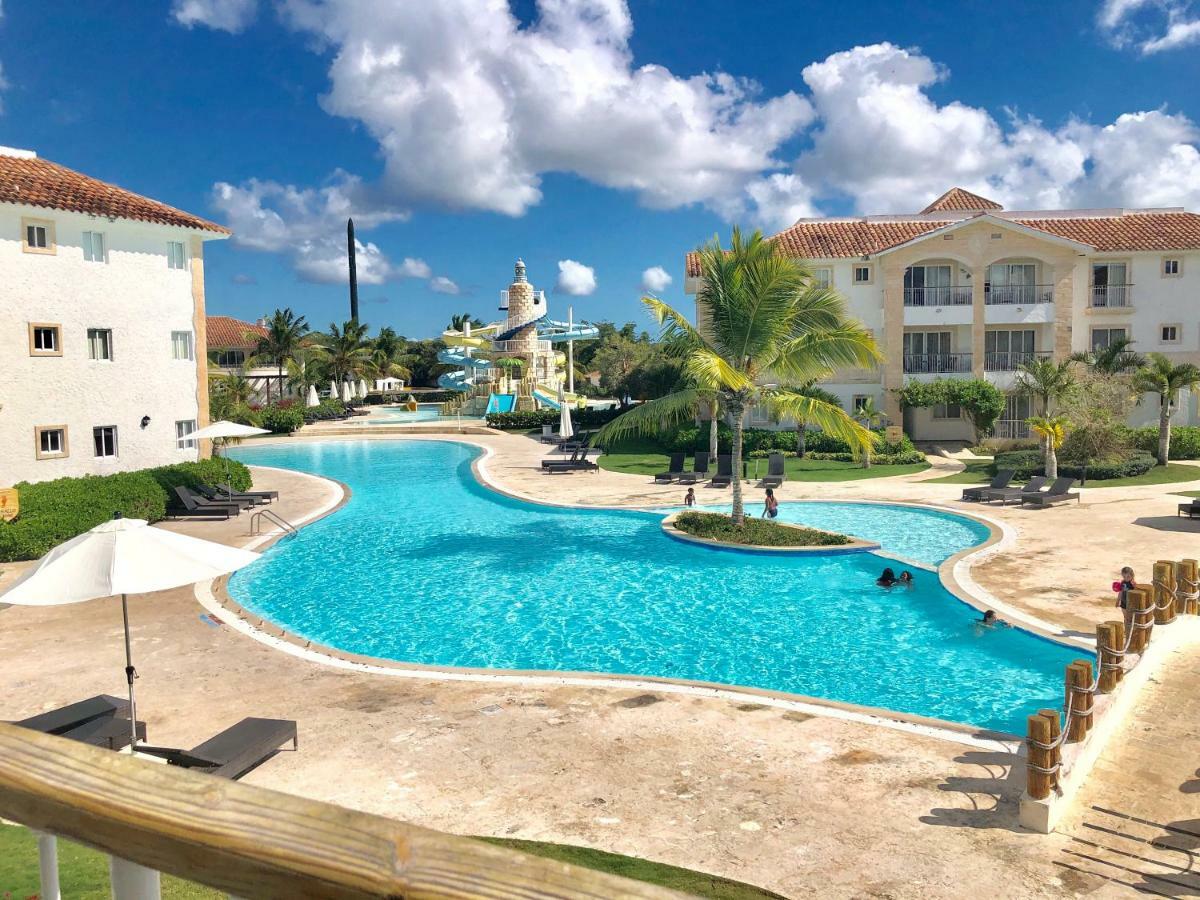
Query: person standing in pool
[887, 579]
[906, 578]
[689, 498]
[770, 505]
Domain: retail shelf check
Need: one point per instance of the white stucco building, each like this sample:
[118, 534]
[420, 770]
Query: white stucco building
[966, 289]
[102, 361]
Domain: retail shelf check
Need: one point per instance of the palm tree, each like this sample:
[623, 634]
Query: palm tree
[346, 351]
[870, 415]
[811, 390]
[1115, 359]
[1047, 383]
[762, 316]
[1163, 377]
[459, 320]
[389, 350]
[1053, 431]
[284, 337]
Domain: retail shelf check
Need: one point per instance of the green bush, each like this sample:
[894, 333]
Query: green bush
[56, 511]
[755, 532]
[1028, 463]
[899, 458]
[523, 421]
[281, 419]
[1185, 440]
[689, 438]
[324, 411]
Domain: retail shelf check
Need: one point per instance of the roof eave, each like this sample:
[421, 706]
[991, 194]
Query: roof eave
[988, 218]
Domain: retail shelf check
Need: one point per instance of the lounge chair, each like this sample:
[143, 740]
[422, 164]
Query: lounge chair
[775, 475]
[1000, 482]
[1005, 494]
[214, 496]
[1059, 492]
[264, 495]
[1190, 510]
[101, 721]
[674, 468]
[575, 456]
[190, 505]
[578, 463]
[724, 476]
[236, 750]
[699, 469]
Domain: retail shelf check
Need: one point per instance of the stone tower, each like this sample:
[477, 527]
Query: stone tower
[522, 307]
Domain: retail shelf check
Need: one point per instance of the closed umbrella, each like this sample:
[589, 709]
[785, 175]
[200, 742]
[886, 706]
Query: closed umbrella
[333, 390]
[347, 392]
[565, 429]
[123, 556]
[224, 429]
[362, 388]
[313, 399]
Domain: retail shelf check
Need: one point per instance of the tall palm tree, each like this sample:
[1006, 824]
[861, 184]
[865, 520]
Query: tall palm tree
[1163, 377]
[762, 316]
[1053, 431]
[1046, 383]
[346, 351]
[284, 337]
[458, 320]
[388, 355]
[811, 390]
[1115, 359]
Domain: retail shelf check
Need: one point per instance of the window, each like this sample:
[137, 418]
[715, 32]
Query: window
[947, 411]
[50, 441]
[1110, 284]
[822, 276]
[45, 339]
[929, 351]
[927, 286]
[100, 343]
[862, 274]
[858, 403]
[181, 345]
[93, 247]
[1013, 422]
[175, 257]
[37, 236]
[1013, 283]
[1168, 334]
[105, 439]
[183, 428]
[1102, 337]
[229, 359]
[1172, 268]
[1007, 351]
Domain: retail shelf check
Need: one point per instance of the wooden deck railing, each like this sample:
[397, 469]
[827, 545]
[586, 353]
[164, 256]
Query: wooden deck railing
[252, 842]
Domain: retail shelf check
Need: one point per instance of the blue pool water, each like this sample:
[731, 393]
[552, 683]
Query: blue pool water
[394, 415]
[426, 565]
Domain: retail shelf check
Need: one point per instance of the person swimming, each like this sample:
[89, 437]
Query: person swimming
[770, 505]
[906, 578]
[887, 579]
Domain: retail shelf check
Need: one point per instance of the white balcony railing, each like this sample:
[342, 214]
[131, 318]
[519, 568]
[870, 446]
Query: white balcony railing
[943, 295]
[937, 363]
[1111, 295]
[1018, 294]
[1011, 360]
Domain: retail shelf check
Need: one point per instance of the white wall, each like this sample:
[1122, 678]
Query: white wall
[136, 295]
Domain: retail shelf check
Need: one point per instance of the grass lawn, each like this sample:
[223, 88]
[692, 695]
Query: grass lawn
[644, 457]
[83, 873]
[1172, 473]
[1189, 493]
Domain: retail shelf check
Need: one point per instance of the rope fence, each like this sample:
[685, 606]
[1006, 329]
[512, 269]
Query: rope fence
[1173, 591]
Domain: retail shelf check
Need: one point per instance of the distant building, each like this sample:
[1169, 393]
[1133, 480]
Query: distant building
[966, 289]
[102, 325]
[231, 345]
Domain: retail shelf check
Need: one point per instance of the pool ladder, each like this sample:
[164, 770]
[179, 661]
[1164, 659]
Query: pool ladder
[256, 522]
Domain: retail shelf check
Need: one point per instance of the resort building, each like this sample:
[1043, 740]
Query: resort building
[231, 345]
[967, 289]
[102, 325]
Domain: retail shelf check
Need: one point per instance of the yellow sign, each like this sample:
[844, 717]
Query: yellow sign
[895, 434]
[10, 504]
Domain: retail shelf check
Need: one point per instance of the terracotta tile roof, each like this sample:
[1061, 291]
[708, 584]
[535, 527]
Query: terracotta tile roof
[958, 200]
[1128, 232]
[39, 182]
[225, 331]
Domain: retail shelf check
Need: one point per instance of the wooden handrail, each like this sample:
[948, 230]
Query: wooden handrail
[253, 842]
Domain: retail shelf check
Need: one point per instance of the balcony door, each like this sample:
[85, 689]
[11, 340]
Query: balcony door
[927, 351]
[1011, 282]
[1109, 284]
[1006, 351]
[927, 285]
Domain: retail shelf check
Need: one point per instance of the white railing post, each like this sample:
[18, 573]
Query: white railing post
[133, 882]
[48, 865]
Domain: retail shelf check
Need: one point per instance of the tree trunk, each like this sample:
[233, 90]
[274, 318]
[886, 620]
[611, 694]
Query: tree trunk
[1051, 459]
[737, 411]
[800, 439]
[1164, 432]
[713, 426]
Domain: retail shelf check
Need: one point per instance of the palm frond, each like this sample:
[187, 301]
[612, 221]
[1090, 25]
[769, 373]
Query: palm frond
[651, 417]
[827, 416]
[709, 371]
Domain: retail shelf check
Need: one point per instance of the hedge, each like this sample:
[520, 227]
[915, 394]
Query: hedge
[690, 438]
[1028, 463]
[280, 419]
[523, 421]
[324, 411]
[1185, 440]
[755, 532]
[56, 511]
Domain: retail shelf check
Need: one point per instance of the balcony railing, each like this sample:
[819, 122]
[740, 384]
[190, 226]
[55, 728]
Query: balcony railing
[1018, 294]
[1011, 360]
[945, 295]
[1111, 295]
[1011, 429]
[937, 363]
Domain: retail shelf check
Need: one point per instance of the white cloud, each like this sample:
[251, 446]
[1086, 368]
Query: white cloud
[415, 268]
[655, 279]
[442, 285]
[243, 278]
[226, 15]
[1151, 26]
[324, 262]
[575, 279]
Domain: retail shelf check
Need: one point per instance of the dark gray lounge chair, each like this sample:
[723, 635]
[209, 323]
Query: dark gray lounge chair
[674, 468]
[576, 464]
[263, 495]
[1190, 510]
[699, 469]
[1005, 494]
[214, 496]
[575, 456]
[236, 750]
[724, 476]
[1059, 492]
[775, 474]
[102, 721]
[1000, 482]
[190, 505]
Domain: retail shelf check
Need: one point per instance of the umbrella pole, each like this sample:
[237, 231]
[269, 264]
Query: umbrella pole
[130, 673]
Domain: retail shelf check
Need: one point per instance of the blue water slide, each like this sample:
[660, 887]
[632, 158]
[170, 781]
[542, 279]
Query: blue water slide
[501, 403]
[511, 328]
[559, 332]
[546, 399]
[460, 380]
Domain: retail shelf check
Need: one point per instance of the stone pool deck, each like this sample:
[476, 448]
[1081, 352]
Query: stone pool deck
[803, 805]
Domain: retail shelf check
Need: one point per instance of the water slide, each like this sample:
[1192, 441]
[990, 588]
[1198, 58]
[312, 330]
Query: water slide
[455, 354]
[501, 403]
[561, 332]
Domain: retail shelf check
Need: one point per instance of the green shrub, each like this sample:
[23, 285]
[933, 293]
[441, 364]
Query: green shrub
[900, 458]
[324, 411]
[689, 438]
[522, 421]
[755, 532]
[1028, 463]
[56, 511]
[281, 419]
[1185, 440]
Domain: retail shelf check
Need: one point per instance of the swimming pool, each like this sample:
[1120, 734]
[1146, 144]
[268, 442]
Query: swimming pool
[425, 565]
[398, 415]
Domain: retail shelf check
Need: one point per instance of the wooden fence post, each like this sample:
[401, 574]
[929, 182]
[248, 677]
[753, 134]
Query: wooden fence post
[1107, 641]
[1042, 730]
[1079, 700]
[1164, 591]
[1142, 619]
[1187, 571]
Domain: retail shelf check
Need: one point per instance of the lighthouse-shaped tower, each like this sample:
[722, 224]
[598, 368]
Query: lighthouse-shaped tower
[525, 308]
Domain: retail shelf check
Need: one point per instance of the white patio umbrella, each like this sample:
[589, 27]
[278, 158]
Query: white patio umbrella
[123, 556]
[333, 390]
[313, 399]
[565, 429]
[224, 429]
[362, 388]
[347, 392]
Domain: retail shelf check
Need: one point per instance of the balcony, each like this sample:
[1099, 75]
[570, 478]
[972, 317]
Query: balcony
[1011, 429]
[1111, 296]
[1011, 360]
[945, 295]
[937, 363]
[1018, 294]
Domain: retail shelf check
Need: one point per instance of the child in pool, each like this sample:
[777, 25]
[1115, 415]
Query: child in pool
[770, 505]
[690, 498]
[887, 579]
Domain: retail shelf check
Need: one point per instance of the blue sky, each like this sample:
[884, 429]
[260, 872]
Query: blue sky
[466, 133]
